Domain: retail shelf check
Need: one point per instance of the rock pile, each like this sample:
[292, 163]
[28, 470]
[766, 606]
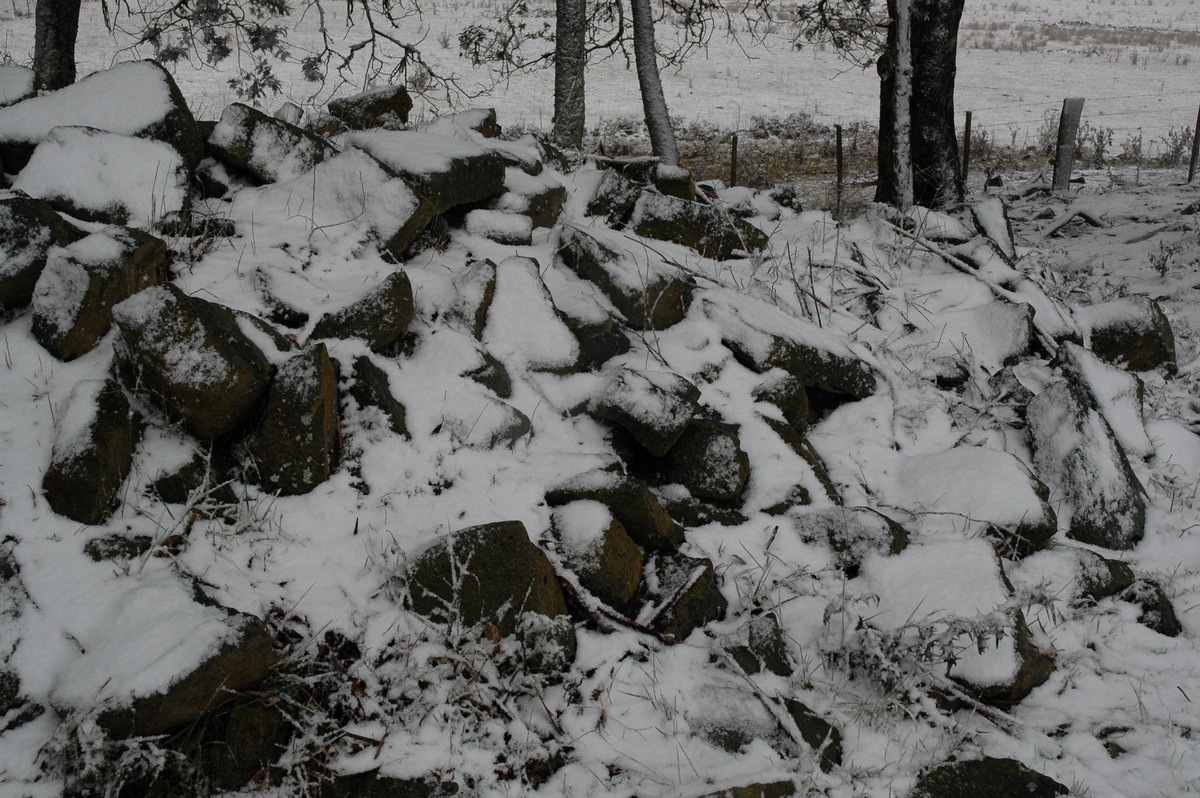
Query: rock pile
[264, 402]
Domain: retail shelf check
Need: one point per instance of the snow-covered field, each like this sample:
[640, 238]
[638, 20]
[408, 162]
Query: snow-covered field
[1010, 91]
[1119, 716]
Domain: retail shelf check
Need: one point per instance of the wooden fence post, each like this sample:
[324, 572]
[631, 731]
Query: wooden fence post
[841, 177]
[1064, 153]
[966, 164]
[1195, 149]
[733, 164]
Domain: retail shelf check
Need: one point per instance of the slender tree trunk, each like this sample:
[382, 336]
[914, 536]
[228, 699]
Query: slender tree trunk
[658, 121]
[937, 171]
[918, 149]
[56, 24]
[570, 60]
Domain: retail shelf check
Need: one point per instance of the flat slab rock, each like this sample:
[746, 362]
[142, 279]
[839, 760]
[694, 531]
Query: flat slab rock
[267, 148]
[705, 228]
[450, 172]
[1132, 332]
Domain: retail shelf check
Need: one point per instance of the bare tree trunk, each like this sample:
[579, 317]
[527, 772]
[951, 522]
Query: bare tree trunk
[570, 60]
[658, 121]
[918, 149]
[56, 23]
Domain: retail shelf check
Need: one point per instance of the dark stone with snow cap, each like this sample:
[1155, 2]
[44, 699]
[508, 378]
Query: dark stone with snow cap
[386, 107]
[1157, 612]
[74, 297]
[1132, 332]
[763, 337]
[370, 388]
[709, 461]
[650, 296]
[706, 229]
[189, 357]
[294, 447]
[239, 663]
[630, 501]
[653, 406]
[450, 172]
[774, 789]
[539, 198]
[489, 574]
[995, 778]
[605, 560]
[819, 733]
[268, 149]
[687, 595]
[28, 229]
[155, 110]
[1076, 454]
[380, 317]
[614, 198]
[93, 452]
[852, 532]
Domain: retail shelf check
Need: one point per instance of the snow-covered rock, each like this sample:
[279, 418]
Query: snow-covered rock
[106, 177]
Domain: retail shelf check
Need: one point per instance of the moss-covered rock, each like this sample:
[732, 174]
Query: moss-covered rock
[295, 446]
[74, 297]
[189, 357]
[380, 317]
[93, 452]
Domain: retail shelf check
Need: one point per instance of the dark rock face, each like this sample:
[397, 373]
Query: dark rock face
[370, 388]
[235, 666]
[630, 501]
[74, 297]
[709, 461]
[606, 561]
[614, 198]
[654, 299]
[486, 574]
[386, 107]
[187, 356]
[295, 446]
[852, 532]
[1157, 612]
[687, 595]
[1076, 453]
[996, 778]
[765, 647]
[28, 228]
[93, 453]
[380, 317]
[268, 149]
[1133, 332]
[704, 228]
[817, 732]
[241, 741]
